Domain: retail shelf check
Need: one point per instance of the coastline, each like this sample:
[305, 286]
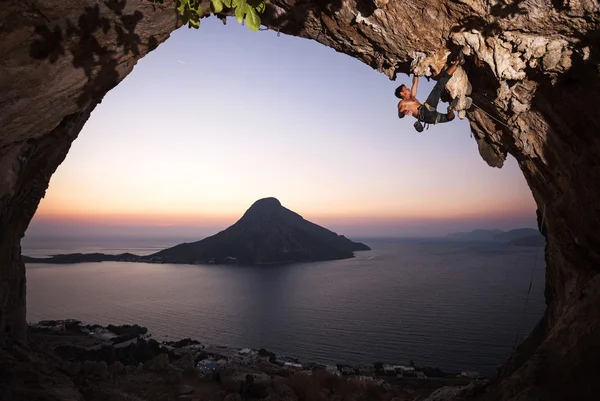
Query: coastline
[76, 258]
[78, 341]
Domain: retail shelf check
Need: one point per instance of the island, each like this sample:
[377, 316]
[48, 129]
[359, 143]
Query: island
[267, 233]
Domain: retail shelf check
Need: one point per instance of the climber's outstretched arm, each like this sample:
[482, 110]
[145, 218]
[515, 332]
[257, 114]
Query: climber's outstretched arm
[415, 85]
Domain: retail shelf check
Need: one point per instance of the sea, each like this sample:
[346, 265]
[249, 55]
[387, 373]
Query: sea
[456, 305]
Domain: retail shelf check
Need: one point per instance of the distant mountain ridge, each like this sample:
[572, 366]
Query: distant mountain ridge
[267, 233]
[477, 235]
[519, 236]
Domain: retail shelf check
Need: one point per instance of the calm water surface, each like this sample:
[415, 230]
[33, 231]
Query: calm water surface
[448, 304]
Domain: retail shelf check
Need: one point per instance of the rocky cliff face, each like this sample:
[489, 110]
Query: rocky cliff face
[532, 71]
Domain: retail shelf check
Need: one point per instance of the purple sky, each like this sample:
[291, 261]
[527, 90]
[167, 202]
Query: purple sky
[217, 118]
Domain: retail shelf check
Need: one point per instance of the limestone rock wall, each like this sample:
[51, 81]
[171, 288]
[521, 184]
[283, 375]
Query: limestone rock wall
[532, 73]
[57, 60]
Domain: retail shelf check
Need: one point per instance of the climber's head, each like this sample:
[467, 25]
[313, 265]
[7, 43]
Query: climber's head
[402, 92]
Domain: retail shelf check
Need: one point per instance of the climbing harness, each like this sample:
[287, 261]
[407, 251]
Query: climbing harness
[530, 285]
[418, 125]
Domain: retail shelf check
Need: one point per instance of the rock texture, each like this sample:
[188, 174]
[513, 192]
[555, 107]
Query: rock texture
[266, 233]
[532, 71]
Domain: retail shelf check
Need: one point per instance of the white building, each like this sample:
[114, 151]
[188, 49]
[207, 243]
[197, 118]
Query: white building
[292, 365]
[389, 369]
[333, 370]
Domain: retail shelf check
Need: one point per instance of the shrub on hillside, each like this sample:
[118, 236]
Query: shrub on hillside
[126, 328]
[322, 386]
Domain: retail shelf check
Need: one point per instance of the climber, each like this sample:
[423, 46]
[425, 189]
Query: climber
[427, 113]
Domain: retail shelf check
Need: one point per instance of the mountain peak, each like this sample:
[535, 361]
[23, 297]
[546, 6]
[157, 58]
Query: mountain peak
[267, 208]
[266, 203]
[266, 233]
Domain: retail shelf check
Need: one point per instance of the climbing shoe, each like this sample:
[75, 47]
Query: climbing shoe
[460, 57]
[454, 103]
[450, 115]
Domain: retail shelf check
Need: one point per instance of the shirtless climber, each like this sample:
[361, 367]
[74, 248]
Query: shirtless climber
[427, 113]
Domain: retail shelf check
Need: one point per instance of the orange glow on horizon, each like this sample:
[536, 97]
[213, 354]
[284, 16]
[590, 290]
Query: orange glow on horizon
[174, 218]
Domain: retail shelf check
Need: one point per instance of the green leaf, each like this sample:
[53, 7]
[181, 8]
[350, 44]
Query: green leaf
[259, 5]
[216, 6]
[227, 3]
[240, 12]
[252, 19]
[194, 22]
[185, 19]
[182, 5]
[185, 16]
[197, 8]
[254, 3]
[238, 3]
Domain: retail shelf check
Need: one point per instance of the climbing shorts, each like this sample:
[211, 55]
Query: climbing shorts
[429, 115]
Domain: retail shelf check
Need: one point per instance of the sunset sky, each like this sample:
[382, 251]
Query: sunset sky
[217, 118]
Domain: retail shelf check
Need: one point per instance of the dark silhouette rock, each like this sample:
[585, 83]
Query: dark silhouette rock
[266, 233]
[159, 363]
[185, 389]
[117, 368]
[83, 258]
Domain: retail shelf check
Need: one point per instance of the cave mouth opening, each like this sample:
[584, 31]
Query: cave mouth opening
[60, 63]
[155, 146]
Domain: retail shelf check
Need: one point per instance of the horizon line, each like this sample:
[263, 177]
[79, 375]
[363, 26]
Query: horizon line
[366, 236]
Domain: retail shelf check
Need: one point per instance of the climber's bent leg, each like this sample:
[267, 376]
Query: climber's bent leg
[429, 115]
[444, 118]
[434, 97]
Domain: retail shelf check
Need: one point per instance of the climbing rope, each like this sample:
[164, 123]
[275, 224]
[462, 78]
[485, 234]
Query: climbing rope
[491, 116]
[538, 249]
[530, 285]
[507, 126]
